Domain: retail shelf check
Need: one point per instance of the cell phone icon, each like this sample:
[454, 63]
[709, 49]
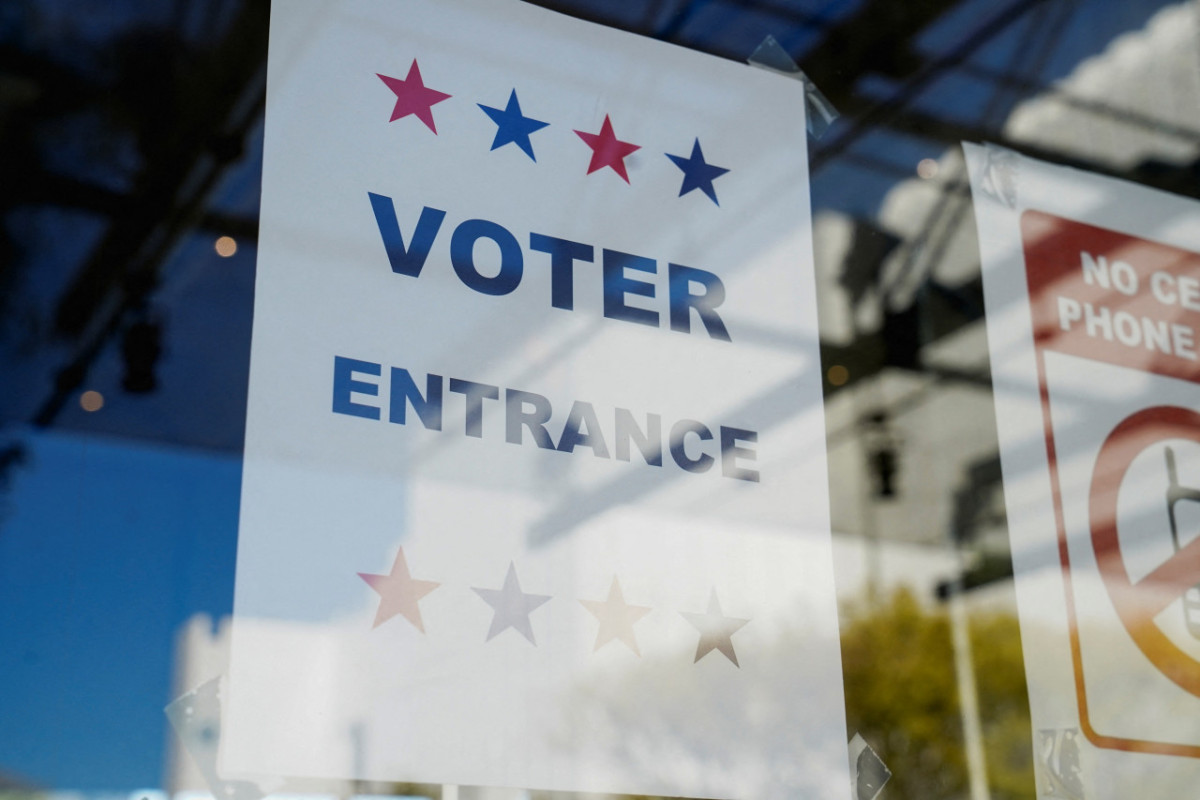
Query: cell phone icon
[1176, 494]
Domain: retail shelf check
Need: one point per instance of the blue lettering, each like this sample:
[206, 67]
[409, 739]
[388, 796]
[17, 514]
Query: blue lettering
[531, 411]
[583, 416]
[404, 391]
[688, 289]
[683, 301]
[462, 257]
[405, 261]
[475, 394]
[535, 419]
[617, 285]
[649, 444]
[344, 385]
[681, 429]
[731, 452]
[563, 255]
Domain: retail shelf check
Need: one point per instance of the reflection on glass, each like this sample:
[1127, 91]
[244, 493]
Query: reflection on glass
[130, 162]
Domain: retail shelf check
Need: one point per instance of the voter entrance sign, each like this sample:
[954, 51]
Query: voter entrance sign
[1093, 301]
[534, 490]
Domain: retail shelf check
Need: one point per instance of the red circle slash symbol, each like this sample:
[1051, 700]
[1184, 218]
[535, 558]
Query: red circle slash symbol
[1138, 603]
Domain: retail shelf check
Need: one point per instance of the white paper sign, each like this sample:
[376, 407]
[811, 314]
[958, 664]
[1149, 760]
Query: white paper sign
[1093, 313]
[535, 489]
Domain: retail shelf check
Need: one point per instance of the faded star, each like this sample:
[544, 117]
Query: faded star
[413, 96]
[512, 126]
[716, 630]
[607, 149]
[399, 593]
[616, 618]
[697, 173]
[511, 606]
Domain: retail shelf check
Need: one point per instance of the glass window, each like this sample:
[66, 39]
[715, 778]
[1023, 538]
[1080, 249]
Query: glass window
[999, 211]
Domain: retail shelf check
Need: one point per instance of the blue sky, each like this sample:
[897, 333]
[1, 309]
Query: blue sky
[106, 547]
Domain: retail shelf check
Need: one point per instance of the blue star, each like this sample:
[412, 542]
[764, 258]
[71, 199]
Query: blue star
[697, 174]
[513, 126]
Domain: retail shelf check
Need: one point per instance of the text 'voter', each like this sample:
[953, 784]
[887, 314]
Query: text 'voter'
[688, 289]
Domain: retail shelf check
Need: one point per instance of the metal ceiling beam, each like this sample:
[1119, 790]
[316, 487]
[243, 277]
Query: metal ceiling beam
[123, 268]
[129, 247]
[912, 88]
[876, 38]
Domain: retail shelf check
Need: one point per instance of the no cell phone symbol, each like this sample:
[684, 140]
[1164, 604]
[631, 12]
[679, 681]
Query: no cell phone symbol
[1139, 603]
[1175, 495]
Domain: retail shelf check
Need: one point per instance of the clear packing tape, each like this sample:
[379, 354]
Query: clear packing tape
[868, 773]
[819, 112]
[1000, 173]
[196, 719]
[1059, 774]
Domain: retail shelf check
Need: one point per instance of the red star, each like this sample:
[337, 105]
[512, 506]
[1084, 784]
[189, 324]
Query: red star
[413, 97]
[607, 149]
[399, 593]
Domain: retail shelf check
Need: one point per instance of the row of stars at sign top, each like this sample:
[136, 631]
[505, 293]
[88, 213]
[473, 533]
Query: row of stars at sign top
[400, 595]
[414, 98]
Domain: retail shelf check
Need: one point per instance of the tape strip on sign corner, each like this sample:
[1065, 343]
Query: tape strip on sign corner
[868, 773]
[196, 719]
[820, 112]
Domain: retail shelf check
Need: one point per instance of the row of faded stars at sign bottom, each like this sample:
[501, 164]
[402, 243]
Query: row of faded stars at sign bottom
[400, 595]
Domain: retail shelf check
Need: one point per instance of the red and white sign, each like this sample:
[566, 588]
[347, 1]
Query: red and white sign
[1093, 300]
